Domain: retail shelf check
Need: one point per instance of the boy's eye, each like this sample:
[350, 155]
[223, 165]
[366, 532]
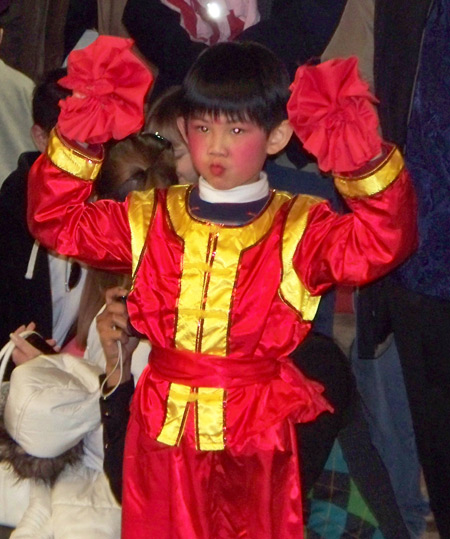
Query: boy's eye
[237, 130]
[201, 128]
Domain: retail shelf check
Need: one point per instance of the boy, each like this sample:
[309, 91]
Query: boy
[218, 271]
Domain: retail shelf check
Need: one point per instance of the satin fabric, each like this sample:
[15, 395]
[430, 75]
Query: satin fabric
[332, 112]
[254, 400]
[251, 488]
[110, 84]
[212, 494]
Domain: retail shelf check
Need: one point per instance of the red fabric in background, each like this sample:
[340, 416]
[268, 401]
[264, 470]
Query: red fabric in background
[331, 110]
[109, 85]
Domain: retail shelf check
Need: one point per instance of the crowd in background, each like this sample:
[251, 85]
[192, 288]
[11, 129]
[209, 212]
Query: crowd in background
[386, 433]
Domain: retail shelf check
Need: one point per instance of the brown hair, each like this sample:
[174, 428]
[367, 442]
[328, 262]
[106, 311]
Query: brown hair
[163, 114]
[139, 162]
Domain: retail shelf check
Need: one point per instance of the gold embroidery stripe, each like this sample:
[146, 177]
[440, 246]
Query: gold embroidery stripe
[376, 181]
[175, 411]
[292, 290]
[210, 418]
[140, 212]
[210, 268]
[71, 160]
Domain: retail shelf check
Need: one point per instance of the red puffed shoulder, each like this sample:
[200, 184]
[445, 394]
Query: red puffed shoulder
[332, 112]
[109, 84]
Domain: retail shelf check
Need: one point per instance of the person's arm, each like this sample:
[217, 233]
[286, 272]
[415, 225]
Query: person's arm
[333, 114]
[100, 108]
[112, 328]
[376, 236]
[117, 387]
[59, 216]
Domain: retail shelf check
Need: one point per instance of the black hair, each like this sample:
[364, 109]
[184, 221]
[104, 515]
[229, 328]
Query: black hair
[46, 97]
[244, 81]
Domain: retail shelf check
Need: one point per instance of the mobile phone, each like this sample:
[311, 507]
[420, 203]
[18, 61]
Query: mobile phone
[40, 343]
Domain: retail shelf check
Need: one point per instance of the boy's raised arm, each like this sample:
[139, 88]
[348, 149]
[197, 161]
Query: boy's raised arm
[109, 85]
[332, 112]
[59, 216]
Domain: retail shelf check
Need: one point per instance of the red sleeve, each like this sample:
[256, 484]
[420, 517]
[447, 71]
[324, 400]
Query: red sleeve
[61, 219]
[361, 246]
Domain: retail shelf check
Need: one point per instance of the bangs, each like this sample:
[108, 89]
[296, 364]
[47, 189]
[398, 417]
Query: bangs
[235, 102]
[238, 81]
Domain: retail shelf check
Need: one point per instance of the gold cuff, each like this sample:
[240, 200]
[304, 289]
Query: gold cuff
[376, 181]
[71, 160]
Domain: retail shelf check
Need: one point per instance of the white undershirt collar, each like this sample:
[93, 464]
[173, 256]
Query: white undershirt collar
[241, 194]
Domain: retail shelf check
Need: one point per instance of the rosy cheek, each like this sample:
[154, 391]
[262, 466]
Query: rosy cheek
[196, 147]
[247, 153]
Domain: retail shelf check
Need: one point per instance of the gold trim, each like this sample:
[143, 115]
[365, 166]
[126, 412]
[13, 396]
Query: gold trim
[374, 182]
[209, 416]
[211, 259]
[140, 214]
[292, 290]
[72, 161]
[177, 401]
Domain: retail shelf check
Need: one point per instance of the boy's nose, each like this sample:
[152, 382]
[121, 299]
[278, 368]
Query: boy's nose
[217, 144]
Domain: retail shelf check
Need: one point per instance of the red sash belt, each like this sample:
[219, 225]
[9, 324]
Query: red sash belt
[203, 370]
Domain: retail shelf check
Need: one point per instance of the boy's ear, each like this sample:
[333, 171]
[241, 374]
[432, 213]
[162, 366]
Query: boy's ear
[181, 123]
[40, 137]
[279, 137]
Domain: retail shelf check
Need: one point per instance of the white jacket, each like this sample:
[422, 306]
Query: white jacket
[53, 403]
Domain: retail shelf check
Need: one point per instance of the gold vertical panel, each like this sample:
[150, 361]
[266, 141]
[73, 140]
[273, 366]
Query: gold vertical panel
[177, 401]
[210, 265]
[292, 290]
[140, 211]
[210, 418]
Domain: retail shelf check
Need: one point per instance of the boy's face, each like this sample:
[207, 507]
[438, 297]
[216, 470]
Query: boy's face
[227, 153]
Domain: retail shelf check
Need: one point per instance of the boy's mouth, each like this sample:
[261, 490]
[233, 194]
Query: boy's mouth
[216, 169]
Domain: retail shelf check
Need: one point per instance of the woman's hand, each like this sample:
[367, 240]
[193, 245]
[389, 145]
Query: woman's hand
[112, 326]
[24, 351]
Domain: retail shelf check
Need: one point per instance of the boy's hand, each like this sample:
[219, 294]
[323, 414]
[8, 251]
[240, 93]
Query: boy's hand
[112, 326]
[109, 85]
[333, 114]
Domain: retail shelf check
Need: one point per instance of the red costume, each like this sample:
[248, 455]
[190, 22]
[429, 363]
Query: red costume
[210, 449]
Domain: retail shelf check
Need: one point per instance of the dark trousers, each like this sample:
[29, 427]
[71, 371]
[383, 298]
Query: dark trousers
[421, 327]
[320, 358]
